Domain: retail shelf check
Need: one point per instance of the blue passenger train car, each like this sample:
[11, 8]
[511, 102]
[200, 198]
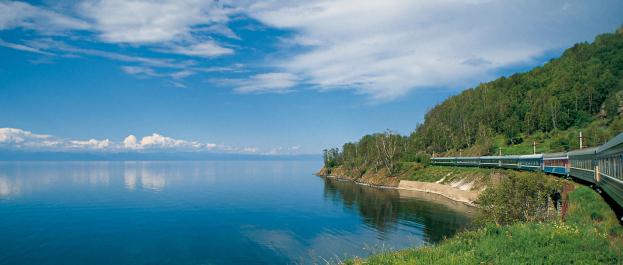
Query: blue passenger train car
[601, 166]
[556, 163]
[609, 168]
[582, 164]
[530, 162]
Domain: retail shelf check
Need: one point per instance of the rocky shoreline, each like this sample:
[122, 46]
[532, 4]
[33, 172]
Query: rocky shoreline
[462, 196]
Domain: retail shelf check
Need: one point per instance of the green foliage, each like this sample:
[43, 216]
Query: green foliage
[331, 157]
[381, 151]
[551, 243]
[585, 83]
[549, 105]
[591, 235]
[520, 197]
[588, 209]
[419, 157]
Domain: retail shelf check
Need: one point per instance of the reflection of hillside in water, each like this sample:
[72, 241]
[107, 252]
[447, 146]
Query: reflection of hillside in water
[378, 207]
[385, 209]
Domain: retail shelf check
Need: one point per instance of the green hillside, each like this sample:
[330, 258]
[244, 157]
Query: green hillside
[547, 106]
[579, 90]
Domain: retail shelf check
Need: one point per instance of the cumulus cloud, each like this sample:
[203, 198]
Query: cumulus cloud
[130, 142]
[157, 141]
[18, 139]
[90, 144]
[12, 135]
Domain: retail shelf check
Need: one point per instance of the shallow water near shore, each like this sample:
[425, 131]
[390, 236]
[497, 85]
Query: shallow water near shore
[266, 212]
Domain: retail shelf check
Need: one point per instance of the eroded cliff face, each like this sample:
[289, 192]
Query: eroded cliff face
[370, 177]
[458, 184]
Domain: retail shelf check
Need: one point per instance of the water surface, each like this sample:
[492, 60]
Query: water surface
[205, 213]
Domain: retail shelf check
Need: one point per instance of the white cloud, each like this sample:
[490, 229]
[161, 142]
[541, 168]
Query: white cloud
[180, 27]
[182, 74]
[21, 47]
[144, 21]
[385, 49]
[382, 49]
[250, 149]
[138, 70]
[265, 83]
[130, 142]
[18, 137]
[90, 144]
[280, 150]
[157, 141]
[204, 49]
[144, 71]
[47, 44]
[177, 84]
[179, 24]
[14, 14]
[13, 138]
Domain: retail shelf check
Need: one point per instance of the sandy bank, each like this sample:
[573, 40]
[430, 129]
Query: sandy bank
[463, 196]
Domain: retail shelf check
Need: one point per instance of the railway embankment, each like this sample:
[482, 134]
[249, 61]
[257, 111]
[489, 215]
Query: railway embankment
[455, 183]
[456, 194]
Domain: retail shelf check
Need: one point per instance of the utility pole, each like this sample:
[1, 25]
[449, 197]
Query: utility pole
[581, 146]
[433, 153]
[461, 152]
[534, 147]
[500, 151]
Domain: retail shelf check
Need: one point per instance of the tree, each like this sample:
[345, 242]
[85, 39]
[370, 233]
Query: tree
[388, 147]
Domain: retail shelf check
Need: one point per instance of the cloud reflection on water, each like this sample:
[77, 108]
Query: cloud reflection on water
[150, 177]
[9, 187]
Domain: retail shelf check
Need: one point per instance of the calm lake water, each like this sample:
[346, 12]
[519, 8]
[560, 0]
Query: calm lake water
[205, 213]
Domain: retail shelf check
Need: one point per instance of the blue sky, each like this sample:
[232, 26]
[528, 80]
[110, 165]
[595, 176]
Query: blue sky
[269, 77]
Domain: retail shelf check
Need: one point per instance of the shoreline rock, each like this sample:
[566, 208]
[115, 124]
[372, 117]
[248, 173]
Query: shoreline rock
[462, 196]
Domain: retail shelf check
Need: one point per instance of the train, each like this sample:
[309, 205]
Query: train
[601, 166]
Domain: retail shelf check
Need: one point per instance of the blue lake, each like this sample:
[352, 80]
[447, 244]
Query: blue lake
[234, 212]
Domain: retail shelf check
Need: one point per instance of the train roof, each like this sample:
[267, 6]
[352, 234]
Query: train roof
[618, 140]
[585, 151]
[444, 158]
[467, 157]
[555, 155]
[531, 156]
[500, 157]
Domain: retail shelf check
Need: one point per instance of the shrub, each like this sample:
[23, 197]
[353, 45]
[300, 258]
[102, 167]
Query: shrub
[520, 197]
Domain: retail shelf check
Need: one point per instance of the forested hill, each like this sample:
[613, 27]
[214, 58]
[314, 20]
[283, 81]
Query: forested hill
[547, 106]
[573, 91]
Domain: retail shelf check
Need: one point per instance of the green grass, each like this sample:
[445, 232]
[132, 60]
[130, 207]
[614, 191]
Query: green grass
[590, 235]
